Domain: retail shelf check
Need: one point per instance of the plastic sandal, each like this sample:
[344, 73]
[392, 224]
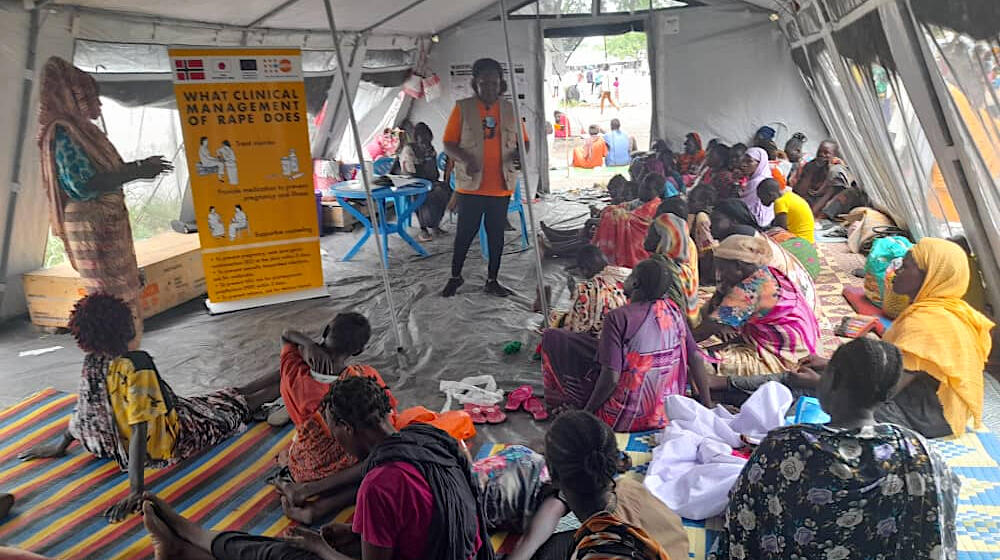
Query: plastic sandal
[476, 412]
[494, 415]
[535, 407]
[517, 397]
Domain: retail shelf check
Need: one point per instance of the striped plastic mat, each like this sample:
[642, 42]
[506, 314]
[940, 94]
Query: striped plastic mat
[60, 502]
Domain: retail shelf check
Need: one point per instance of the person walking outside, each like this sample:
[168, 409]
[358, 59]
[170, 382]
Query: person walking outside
[604, 82]
[480, 138]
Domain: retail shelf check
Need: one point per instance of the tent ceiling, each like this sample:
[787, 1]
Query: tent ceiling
[352, 15]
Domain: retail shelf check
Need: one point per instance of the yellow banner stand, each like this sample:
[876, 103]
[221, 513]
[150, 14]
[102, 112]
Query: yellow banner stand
[243, 112]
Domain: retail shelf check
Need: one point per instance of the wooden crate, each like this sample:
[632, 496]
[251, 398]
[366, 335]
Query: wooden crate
[335, 217]
[169, 266]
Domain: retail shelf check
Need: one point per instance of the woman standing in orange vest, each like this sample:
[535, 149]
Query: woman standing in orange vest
[481, 138]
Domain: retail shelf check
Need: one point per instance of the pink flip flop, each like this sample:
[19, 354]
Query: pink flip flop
[517, 397]
[476, 412]
[494, 415]
[535, 407]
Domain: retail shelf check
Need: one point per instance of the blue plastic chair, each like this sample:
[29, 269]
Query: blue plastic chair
[383, 165]
[516, 205]
[442, 160]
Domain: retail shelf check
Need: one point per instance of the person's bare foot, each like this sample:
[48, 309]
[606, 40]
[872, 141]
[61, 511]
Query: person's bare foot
[185, 529]
[44, 451]
[166, 545]
[301, 514]
[6, 504]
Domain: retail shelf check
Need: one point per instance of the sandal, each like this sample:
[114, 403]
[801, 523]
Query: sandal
[517, 397]
[494, 415]
[476, 412]
[535, 407]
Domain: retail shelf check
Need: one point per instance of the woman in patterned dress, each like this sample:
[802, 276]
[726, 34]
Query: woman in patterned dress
[645, 353]
[765, 322]
[602, 291]
[125, 411]
[84, 174]
[850, 489]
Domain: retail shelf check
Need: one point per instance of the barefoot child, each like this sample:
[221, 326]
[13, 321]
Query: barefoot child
[125, 411]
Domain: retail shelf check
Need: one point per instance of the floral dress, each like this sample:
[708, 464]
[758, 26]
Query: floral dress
[811, 491]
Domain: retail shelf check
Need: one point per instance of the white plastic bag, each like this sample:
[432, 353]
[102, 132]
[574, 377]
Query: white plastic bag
[432, 87]
[480, 390]
[414, 86]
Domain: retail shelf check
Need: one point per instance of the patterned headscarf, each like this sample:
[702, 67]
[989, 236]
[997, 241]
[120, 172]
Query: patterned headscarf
[743, 248]
[69, 98]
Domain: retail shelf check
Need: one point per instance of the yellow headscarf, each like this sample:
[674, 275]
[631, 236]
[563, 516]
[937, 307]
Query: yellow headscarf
[941, 334]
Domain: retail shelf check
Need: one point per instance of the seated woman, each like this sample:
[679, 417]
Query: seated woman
[731, 213]
[755, 169]
[619, 518]
[793, 225]
[418, 498]
[645, 353]
[853, 488]
[125, 411]
[943, 340]
[602, 291]
[566, 242]
[673, 185]
[622, 230]
[593, 151]
[669, 237]
[728, 185]
[713, 169]
[701, 202]
[688, 163]
[765, 322]
[419, 158]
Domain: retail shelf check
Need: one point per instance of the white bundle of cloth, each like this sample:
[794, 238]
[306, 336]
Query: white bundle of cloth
[693, 467]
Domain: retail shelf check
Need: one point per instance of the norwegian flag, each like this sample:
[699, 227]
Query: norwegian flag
[189, 69]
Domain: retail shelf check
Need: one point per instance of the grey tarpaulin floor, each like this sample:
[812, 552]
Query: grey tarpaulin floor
[444, 339]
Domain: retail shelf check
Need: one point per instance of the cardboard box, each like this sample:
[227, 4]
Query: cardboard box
[169, 266]
[336, 217]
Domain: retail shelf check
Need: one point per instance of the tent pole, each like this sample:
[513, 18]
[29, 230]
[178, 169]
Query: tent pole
[22, 132]
[365, 179]
[526, 191]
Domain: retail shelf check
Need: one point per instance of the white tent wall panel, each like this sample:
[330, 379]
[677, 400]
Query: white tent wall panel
[31, 223]
[463, 45]
[726, 73]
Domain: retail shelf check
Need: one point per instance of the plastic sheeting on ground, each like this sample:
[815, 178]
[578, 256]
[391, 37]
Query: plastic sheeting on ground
[693, 467]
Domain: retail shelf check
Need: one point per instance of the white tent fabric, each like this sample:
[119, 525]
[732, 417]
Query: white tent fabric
[429, 16]
[726, 73]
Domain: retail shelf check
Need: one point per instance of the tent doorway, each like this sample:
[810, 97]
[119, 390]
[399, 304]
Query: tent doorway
[591, 81]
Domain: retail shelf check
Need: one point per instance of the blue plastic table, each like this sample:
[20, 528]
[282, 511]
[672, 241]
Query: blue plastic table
[406, 199]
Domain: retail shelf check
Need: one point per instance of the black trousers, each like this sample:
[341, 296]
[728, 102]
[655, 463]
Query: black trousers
[472, 209]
